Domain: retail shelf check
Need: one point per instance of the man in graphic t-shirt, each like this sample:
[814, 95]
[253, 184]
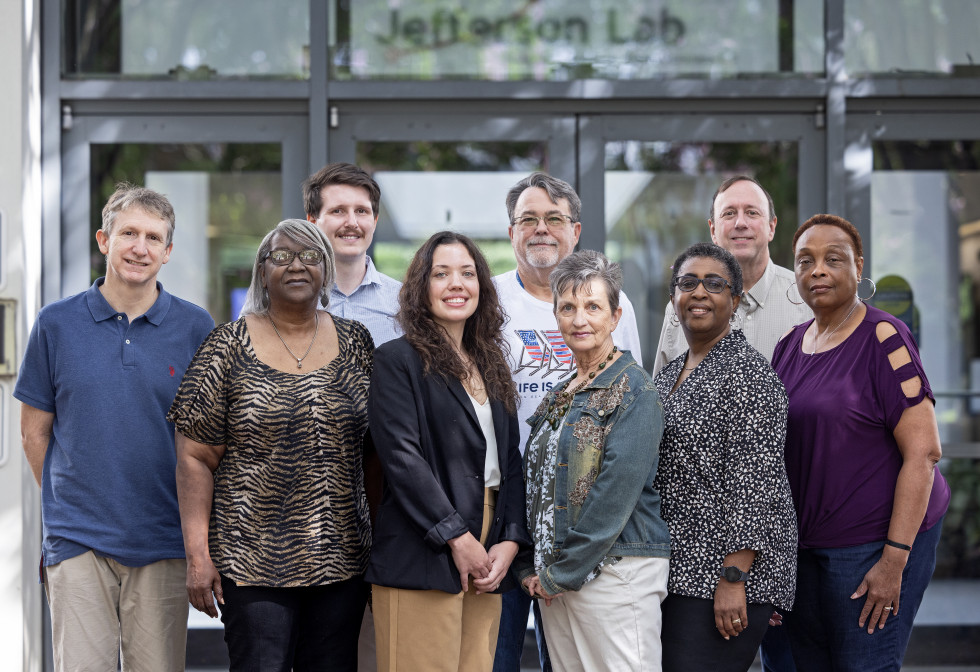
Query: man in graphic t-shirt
[539, 357]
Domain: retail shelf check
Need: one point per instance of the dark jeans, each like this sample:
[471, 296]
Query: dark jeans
[776, 654]
[513, 626]
[691, 642]
[823, 626]
[301, 629]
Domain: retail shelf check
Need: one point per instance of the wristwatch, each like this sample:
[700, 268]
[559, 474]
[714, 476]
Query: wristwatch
[733, 574]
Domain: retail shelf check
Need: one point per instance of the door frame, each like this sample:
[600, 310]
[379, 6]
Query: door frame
[595, 130]
[73, 274]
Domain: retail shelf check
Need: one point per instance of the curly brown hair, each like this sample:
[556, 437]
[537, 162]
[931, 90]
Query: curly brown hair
[483, 338]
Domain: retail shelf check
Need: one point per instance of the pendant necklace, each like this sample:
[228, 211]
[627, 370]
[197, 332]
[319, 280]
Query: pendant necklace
[835, 328]
[316, 328]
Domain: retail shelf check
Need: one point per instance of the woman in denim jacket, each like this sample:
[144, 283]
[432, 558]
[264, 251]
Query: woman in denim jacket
[601, 548]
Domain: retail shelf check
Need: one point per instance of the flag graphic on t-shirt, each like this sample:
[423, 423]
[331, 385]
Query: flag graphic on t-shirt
[544, 352]
[531, 345]
[561, 351]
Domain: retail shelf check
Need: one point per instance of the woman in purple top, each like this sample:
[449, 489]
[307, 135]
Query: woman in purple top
[861, 451]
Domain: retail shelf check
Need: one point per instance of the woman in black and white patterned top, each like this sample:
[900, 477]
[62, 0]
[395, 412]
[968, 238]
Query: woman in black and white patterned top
[726, 498]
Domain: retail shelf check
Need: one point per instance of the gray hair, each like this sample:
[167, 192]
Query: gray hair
[128, 196]
[581, 268]
[303, 233]
[555, 188]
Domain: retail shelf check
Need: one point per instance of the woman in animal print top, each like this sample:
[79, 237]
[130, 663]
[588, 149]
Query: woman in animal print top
[270, 420]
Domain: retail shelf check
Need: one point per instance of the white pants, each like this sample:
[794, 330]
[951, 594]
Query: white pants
[100, 607]
[612, 623]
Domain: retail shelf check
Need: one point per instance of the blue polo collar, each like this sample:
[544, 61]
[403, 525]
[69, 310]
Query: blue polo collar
[101, 310]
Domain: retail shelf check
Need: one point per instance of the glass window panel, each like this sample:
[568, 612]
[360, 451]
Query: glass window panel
[186, 39]
[433, 186]
[925, 236]
[658, 197]
[557, 40]
[911, 37]
[226, 197]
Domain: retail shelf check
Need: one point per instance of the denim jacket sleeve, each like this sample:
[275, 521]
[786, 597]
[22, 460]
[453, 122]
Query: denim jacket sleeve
[630, 455]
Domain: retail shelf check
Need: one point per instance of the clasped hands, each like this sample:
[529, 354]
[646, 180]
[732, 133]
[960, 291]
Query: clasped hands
[535, 589]
[487, 568]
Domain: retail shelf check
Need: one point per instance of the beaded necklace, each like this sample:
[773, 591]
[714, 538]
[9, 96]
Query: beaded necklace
[562, 401]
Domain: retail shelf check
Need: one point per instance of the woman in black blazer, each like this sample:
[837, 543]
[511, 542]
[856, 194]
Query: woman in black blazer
[442, 418]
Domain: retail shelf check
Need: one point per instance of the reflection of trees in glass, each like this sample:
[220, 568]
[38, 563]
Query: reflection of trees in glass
[451, 156]
[680, 221]
[658, 195]
[910, 36]
[245, 200]
[92, 37]
[392, 256]
[186, 39]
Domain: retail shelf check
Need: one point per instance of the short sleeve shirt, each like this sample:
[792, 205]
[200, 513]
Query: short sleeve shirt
[539, 357]
[289, 505]
[108, 480]
[841, 454]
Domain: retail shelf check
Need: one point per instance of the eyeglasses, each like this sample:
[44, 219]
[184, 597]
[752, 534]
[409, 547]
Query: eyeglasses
[285, 257]
[689, 283]
[554, 221]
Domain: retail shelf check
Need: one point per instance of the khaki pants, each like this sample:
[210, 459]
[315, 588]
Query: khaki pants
[100, 607]
[433, 631]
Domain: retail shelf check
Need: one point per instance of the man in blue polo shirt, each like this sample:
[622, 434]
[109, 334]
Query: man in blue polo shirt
[100, 372]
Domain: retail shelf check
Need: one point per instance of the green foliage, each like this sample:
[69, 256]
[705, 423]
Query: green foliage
[959, 546]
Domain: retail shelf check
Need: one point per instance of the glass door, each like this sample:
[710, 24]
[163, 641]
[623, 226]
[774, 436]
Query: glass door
[650, 180]
[230, 181]
[915, 195]
[453, 172]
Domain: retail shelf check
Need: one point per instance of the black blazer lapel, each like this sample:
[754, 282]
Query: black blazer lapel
[459, 392]
[500, 422]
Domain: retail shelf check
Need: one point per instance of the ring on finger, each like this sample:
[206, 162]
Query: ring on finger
[737, 621]
[888, 608]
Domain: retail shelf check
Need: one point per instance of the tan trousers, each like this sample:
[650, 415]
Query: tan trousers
[433, 631]
[100, 607]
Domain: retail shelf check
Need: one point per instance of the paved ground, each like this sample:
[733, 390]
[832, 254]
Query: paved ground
[947, 628]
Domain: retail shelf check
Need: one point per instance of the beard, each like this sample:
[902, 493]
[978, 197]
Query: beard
[542, 256]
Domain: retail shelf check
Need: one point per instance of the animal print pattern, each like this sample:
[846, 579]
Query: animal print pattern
[289, 507]
[722, 476]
